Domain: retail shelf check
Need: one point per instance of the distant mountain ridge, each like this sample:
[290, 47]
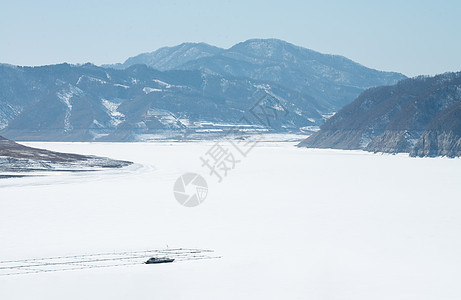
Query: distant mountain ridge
[199, 90]
[87, 103]
[420, 116]
[332, 79]
[170, 58]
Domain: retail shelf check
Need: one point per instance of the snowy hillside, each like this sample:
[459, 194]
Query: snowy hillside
[89, 103]
[198, 84]
[332, 80]
[420, 116]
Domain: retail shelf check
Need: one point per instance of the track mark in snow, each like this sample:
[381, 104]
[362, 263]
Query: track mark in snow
[98, 260]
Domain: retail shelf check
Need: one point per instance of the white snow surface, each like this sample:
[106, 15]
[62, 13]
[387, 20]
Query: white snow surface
[116, 116]
[65, 95]
[149, 90]
[94, 79]
[164, 84]
[289, 223]
[163, 116]
[121, 85]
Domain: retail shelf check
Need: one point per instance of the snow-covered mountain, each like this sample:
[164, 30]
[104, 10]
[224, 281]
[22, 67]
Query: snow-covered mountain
[86, 103]
[331, 79]
[170, 58]
[200, 91]
[420, 116]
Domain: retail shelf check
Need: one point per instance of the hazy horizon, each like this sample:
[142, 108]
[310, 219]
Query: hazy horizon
[413, 38]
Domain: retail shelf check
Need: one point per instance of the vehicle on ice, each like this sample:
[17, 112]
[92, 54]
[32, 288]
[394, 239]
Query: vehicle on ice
[159, 260]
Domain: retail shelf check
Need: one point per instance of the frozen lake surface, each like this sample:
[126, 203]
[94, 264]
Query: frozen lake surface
[288, 223]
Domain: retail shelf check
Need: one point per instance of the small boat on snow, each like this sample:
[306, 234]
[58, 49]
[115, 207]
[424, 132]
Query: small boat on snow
[159, 260]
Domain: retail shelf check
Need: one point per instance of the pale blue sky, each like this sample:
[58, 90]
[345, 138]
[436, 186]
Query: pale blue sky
[412, 37]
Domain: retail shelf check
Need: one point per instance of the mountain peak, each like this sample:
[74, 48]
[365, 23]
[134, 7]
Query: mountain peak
[268, 41]
[261, 47]
[167, 58]
[190, 83]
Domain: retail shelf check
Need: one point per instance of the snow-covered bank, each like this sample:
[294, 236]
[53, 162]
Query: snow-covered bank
[289, 223]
